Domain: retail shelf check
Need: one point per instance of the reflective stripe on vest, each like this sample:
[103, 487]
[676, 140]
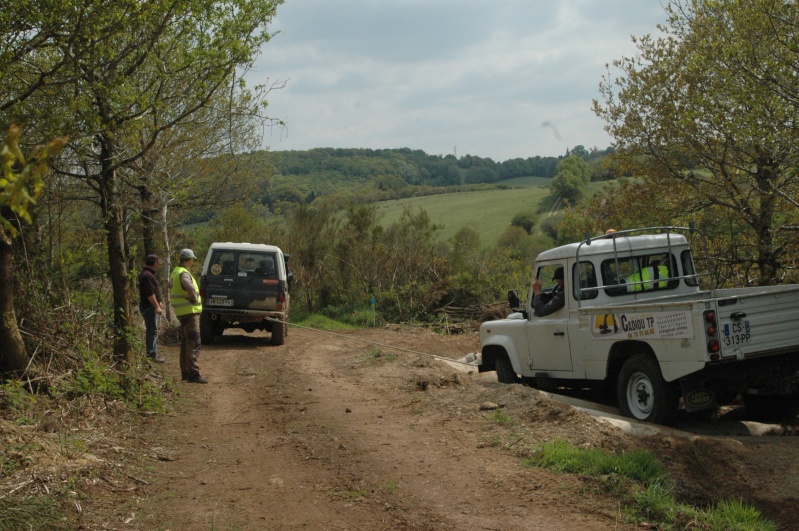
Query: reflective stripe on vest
[180, 297]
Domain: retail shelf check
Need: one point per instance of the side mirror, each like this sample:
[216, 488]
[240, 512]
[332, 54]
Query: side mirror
[513, 300]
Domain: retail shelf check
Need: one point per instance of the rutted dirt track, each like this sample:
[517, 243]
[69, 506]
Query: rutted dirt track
[331, 432]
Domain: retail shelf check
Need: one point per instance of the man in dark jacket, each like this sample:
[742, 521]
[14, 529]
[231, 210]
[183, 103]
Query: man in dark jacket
[150, 305]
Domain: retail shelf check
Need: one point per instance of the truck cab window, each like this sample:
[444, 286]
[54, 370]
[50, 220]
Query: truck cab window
[587, 279]
[546, 276]
[643, 273]
[688, 268]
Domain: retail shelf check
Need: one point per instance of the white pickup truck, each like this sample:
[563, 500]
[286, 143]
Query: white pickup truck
[635, 320]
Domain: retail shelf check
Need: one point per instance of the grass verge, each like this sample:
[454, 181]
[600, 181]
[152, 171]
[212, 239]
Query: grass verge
[321, 322]
[38, 512]
[649, 490]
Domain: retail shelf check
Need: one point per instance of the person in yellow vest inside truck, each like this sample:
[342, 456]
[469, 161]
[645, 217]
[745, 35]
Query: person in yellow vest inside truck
[653, 272]
[188, 306]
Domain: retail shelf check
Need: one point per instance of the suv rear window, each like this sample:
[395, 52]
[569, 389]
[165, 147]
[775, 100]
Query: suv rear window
[258, 265]
[250, 264]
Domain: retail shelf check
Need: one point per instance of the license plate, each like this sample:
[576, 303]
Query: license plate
[220, 302]
[736, 333]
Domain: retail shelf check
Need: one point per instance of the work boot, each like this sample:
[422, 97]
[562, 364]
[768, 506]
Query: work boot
[156, 358]
[198, 379]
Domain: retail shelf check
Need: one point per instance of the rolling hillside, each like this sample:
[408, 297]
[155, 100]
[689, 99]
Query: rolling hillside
[489, 212]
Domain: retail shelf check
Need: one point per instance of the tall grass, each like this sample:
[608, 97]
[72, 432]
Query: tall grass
[651, 494]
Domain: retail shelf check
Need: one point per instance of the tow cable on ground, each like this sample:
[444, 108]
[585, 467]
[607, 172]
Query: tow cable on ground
[328, 332]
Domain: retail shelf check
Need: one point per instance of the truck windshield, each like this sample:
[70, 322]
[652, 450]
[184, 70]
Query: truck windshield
[639, 274]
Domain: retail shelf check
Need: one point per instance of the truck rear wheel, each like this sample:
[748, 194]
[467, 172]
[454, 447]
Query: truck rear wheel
[504, 368]
[642, 392]
[279, 332]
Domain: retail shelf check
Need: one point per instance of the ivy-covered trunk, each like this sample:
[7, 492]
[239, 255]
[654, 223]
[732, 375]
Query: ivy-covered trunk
[13, 355]
[112, 208]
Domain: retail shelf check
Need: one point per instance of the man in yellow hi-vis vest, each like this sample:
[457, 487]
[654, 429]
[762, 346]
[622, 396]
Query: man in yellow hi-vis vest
[188, 306]
[646, 274]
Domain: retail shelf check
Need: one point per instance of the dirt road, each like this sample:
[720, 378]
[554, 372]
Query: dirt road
[332, 432]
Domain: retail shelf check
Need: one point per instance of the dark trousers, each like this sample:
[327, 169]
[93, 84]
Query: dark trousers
[151, 335]
[189, 345]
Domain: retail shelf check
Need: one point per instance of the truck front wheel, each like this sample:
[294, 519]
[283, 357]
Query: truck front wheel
[642, 392]
[505, 372]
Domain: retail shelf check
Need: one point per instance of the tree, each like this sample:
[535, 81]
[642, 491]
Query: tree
[712, 105]
[311, 235]
[525, 220]
[19, 189]
[132, 71]
[568, 185]
[579, 151]
[576, 166]
[416, 273]
[359, 254]
[516, 241]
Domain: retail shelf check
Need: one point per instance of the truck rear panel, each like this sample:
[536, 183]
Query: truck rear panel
[755, 322]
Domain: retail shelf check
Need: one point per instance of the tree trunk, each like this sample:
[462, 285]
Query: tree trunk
[167, 260]
[148, 213]
[115, 235]
[13, 355]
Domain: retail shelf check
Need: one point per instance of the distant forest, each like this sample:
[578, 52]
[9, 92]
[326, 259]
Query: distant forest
[354, 176]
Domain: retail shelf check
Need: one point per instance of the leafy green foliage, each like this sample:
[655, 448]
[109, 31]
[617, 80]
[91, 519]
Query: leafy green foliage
[571, 177]
[15, 398]
[575, 165]
[95, 379]
[242, 222]
[549, 226]
[525, 220]
[19, 188]
[705, 113]
[568, 186]
[390, 173]
[516, 241]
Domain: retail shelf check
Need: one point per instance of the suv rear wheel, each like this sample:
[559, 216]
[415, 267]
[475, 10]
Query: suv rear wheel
[208, 329]
[279, 331]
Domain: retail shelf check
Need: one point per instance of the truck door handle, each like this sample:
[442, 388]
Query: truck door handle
[560, 333]
[737, 315]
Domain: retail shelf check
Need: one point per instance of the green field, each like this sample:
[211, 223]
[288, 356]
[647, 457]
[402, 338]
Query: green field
[489, 212]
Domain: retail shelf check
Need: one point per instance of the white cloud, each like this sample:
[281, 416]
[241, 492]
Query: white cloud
[439, 74]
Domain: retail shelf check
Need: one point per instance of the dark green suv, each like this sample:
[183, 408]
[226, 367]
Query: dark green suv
[245, 285]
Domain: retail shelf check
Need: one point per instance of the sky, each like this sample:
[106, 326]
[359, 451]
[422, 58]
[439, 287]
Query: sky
[490, 78]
